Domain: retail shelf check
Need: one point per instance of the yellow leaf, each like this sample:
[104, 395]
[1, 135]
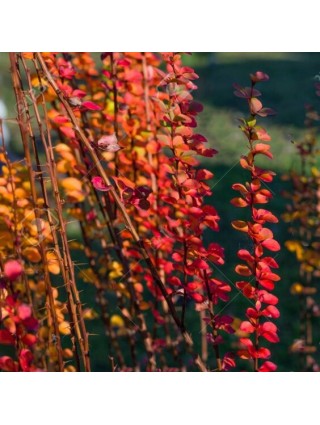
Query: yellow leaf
[63, 166]
[70, 368]
[20, 193]
[296, 289]
[67, 155]
[71, 183]
[64, 328]
[62, 147]
[116, 270]
[32, 254]
[76, 213]
[27, 55]
[87, 276]
[75, 196]
[3, 158]
[90, 314]
[53, 262]
[36, 82]
[30, 241]
[295, 246]
[43, 333]
[75, 245]
[117, 321]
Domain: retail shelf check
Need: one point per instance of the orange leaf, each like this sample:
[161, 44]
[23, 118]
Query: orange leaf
[239, 202]
[243, 270]
[32, 254]
[255, 105]
[240, 225]
[263, 149]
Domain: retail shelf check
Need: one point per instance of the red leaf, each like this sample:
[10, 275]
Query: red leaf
[29, 339]
[204, 175]
[270, 262]
[267, 275]
[264, 175]
[262, 215]
[245, 92]
[24, 311]
[174, 280]
[200, 264]
[247, 342]
[262, 353]
[268, 327]
[99, 184]
[259, 76]
[60, 119]
[268, 331]
[78, 93]
[12, 270]
[252, 313]
[6, 338]
[68, 131]
[247, 327]
[177, 257]
[271, 311]
[264, 112]
[267, 298]
[268, 284]
[8, 365]
[268, 367]
[271, 244]
[91, 106]
[245, 255]
[198, 298]
[247, 289]
[25, 359]
[228, 361]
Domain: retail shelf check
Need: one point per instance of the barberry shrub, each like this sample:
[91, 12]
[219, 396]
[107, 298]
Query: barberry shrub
[112, 152]
[102, 224]
[256, 268]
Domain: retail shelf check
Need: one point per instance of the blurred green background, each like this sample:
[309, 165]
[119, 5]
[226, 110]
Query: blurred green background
[291, 86]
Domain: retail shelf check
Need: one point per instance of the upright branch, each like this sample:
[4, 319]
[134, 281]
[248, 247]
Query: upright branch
[187, 216]
[256, 269]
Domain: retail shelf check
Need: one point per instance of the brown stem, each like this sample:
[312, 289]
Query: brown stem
[24, 125]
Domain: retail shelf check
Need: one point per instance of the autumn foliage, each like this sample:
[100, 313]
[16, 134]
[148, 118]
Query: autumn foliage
[106, 220]
[256, 270]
